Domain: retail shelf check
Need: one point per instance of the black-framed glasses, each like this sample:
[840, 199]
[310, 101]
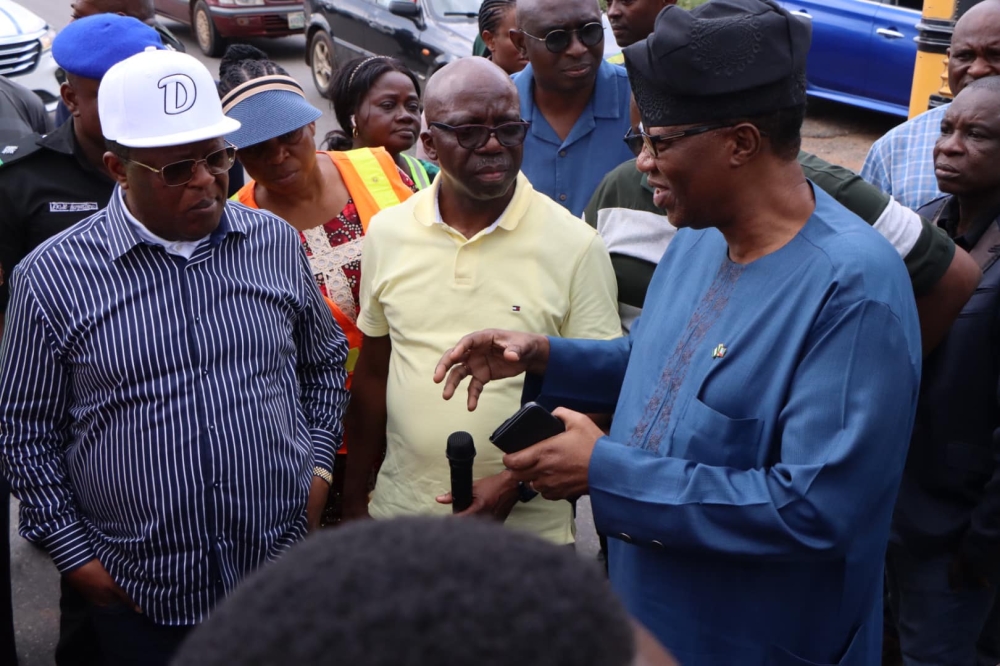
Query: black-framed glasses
[557, 41]
[180, 173]
[287, 139]
[474, 137]
[636, 142]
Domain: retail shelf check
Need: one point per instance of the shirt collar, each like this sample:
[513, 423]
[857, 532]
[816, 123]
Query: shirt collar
[426, 211]
[604, 103]
[948, 218]
[125, 231]
[63, 140]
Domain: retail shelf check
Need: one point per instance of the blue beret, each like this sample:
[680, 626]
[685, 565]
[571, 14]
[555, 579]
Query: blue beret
[90, 46]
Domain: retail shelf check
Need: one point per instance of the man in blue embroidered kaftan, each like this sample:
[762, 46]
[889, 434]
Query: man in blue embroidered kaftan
[763, 402]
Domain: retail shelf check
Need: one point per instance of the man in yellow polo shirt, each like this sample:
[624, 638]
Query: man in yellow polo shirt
[479, 248]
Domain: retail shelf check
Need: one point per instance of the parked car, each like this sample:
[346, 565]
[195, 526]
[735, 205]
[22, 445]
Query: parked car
[863, 51]
[425, 34]
[26, 52]
[214, 22]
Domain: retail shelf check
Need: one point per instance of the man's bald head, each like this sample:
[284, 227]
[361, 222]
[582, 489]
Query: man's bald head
[975, 46]
[140, 9]
[465, 78]
[477, 164]
[529, 11]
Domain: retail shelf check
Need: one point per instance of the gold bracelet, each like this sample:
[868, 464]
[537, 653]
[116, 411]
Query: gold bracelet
[323, 474]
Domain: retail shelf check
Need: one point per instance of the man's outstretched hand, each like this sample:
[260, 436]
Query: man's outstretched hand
[488, 355]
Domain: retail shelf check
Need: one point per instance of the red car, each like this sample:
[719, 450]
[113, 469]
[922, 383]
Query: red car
[215, 21]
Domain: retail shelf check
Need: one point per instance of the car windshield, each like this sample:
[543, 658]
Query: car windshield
[468, 8]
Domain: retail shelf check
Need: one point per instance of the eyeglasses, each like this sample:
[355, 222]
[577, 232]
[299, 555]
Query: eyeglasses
[288, 139]
[636, 142]
[474, 137]
[559, 40]
[180, 173]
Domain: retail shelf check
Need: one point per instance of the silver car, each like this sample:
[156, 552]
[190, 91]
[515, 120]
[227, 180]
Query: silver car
[26, 52]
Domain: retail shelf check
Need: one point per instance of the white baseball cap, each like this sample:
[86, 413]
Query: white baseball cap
[160, 98]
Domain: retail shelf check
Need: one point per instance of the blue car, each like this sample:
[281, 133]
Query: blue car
[863, 51]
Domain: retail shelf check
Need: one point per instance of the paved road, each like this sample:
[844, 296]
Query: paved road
[837, 133]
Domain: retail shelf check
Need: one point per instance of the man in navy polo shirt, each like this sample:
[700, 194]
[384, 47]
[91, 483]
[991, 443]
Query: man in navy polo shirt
[578, 104]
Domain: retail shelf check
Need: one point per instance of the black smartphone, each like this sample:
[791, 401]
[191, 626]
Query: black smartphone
[530, 425]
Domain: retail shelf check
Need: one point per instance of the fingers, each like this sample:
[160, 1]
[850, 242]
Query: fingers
[565, 415]
[450, 358]
[455, 377]
[443, 499]
[524, 460]
[475, 390]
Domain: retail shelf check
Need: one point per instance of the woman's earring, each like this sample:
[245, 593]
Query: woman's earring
[354, 126]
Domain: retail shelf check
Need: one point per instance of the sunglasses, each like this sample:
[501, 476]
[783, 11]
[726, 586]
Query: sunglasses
[287, 139]
[474, 137]
[636, 142]
[181, 173]
[559, 40]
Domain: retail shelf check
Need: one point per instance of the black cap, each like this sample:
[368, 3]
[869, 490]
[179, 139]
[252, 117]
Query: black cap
[724, 59]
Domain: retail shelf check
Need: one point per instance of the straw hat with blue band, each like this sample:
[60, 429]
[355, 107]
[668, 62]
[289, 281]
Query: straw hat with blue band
[267, 107]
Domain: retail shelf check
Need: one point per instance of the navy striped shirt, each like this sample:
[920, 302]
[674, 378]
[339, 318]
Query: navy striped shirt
[163, 415]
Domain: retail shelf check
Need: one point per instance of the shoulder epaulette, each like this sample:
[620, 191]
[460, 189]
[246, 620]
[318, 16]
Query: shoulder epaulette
[17, 150]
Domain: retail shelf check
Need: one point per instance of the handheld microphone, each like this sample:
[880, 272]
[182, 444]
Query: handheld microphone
[461, 451]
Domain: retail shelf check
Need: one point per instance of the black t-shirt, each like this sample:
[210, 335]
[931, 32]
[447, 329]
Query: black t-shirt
[46, 186]
[21, 113]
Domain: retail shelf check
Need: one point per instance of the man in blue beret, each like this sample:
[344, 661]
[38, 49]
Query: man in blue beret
[50, 182]
[764, 399]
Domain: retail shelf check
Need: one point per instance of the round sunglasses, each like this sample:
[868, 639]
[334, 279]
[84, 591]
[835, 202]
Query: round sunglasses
[559, 40]
[474, 137]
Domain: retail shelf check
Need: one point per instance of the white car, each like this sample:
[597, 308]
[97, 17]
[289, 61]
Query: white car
[26, 52]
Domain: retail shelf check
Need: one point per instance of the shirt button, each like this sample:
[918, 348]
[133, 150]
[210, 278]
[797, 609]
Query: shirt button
[211, 427]
[562, 153]
[204, 373]
[562, 197]
[624, 537]
[197, 319]
[657, 544]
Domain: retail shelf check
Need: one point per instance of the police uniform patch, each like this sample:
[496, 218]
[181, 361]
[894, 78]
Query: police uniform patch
[72, 206]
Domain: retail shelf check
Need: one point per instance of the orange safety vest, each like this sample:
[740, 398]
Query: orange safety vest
[372, 179]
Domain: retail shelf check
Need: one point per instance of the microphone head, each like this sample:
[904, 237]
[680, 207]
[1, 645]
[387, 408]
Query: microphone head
[460, 446]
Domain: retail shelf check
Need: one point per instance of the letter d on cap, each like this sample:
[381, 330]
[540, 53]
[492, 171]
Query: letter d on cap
[179, 93]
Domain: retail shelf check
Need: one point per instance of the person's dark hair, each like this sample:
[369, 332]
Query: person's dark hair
[491, 13]
[242, 63]
[419, 591]
[118, 149]
[140, 9]
[348, 88]
[991, 83]
[784, 129]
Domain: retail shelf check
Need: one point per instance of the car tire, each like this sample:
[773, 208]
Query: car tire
[322, 61]
[206, 34]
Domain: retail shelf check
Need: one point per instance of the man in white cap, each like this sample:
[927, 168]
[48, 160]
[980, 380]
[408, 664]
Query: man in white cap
[173, 381]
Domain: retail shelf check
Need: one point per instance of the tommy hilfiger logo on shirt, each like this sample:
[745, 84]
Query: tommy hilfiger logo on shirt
[515, 308]
[719, 352]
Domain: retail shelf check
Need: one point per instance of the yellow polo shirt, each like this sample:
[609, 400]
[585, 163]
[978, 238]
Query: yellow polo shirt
[539, 269]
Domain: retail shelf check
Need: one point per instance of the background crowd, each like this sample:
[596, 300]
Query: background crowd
[778, 379]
